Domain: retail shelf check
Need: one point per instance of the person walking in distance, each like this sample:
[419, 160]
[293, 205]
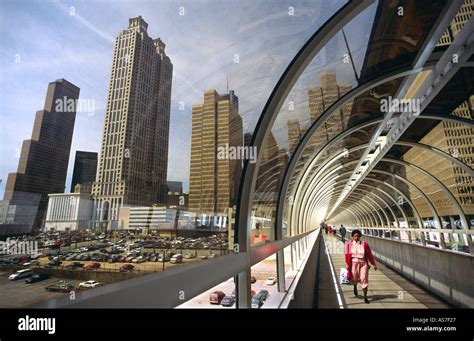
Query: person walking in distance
[343, 231]
[358, 256]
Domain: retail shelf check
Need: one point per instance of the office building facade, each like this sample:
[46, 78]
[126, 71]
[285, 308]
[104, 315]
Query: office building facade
[134, 152]
[214, 181]
[85, 169]
[69, 212]
[44, 158]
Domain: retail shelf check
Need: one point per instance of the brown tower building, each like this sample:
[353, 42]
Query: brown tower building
[294, 134]
[214, 182]
[134, 153]
[321, 98]
[453, 138]
[44, 158]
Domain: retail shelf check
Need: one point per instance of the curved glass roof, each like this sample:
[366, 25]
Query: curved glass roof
[362, 139]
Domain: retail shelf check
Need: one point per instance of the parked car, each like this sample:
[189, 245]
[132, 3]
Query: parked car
[165, 258]
[37, 277]
[190, 255]
[53, 263]
[216, 297]
[30, 263]
[228, 301]
[20, 274]
[126, 267]
[271, 281]
[178, 258]
[75, 265]
[94, 265]
[89, 284]
[139, 259]
[258, 300]
[61, 286]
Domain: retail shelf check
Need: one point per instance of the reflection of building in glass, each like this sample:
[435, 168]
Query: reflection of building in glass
[453, 138]
[294, 134]
[457, 140]
[44, 158]
[270, 174]
[85, 169]
[213, 185]
[462, 17]
[134, 153]
[69, 211]
[321, 98]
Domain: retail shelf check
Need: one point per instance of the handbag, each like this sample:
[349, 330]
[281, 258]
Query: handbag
[344, 276]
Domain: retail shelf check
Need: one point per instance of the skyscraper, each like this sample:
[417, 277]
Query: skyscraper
[321, 98]
[134, 153]
[294, 134]
[85, 168]
[214, 182]
[44, 158]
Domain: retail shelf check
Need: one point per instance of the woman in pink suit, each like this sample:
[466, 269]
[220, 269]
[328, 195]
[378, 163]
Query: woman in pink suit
[358, 256]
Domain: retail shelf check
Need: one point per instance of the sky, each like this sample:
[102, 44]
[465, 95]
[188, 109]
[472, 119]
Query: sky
[248, 42]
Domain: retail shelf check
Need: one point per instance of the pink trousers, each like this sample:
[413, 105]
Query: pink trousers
[360, 271]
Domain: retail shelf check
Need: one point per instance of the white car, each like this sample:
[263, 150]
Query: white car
[178, 258]
[138, 260]
[30, 263]
[20, 274]
[271, 281]
[89, 284]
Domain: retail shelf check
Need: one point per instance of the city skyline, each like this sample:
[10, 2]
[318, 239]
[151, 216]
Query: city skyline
[88, 64]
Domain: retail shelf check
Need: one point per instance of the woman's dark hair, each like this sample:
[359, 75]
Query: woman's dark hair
[356, 231]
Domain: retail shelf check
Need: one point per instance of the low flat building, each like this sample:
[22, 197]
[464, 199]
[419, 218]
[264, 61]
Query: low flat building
[69, 212]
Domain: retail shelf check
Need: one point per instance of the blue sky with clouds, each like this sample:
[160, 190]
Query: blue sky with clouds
[41, 41]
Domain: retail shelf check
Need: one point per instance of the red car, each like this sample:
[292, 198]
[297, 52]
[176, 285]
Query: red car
[216, 297]
[126, 267]
[94, 265]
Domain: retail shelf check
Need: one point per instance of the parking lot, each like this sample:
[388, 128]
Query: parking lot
[18, 294]
[99, 258]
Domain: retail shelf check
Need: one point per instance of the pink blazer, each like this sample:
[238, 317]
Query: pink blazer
[367, 253]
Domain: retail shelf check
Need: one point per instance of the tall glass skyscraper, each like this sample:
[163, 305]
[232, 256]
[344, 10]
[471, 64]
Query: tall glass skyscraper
[44, 158]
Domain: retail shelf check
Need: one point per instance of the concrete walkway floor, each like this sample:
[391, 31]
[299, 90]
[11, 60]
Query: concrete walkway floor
[387, 289]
